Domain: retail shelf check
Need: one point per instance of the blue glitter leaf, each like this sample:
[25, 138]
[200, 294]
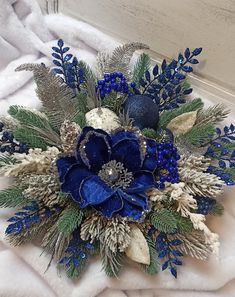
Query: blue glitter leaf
[60, 43]
[197, 51]
[147, 76]
[163, 66]
[58, 71]
[165, 265]
[176, 242]
[57, 56]
[187, 53]
[65, 49]
[187, 68]
[187, 91]
[176, 253]
[57, 63]
[155, 70]
[68, 57]
[174, 272]
[193, 61]
[56, 49]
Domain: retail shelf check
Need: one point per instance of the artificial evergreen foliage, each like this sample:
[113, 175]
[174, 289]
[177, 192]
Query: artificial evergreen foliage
[111, 262]
[70, 219]
[199, 135]
[153, 267]
[12, 197]
[142, 65]
[164, 220]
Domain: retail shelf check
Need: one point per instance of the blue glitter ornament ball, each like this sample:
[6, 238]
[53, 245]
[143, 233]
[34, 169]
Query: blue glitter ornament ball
[143, 111]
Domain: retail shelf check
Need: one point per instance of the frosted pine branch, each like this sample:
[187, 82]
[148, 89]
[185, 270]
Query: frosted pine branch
[201, 183]
[198, 163]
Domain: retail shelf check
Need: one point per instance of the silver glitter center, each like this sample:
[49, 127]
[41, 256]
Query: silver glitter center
[115, 175]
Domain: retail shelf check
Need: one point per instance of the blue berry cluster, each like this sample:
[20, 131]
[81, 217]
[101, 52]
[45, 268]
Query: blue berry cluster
[8, 143]
[167, 169]
[115, 81]
[205, 204]
[167, 251]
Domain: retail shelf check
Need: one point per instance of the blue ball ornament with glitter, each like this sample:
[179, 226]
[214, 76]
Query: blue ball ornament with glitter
[142, 110]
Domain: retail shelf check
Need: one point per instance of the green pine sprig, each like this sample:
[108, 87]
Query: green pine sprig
[150, 133]
[12, 197]
[199, 135]
[89, 84]
[153, 267]
[168, 221]
[111, 262]
[7, 160]
[142, 65]
[70, 219]
[34, 128]
[164, 220]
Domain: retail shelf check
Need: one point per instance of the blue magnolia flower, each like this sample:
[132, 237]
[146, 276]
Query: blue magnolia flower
[110, 172]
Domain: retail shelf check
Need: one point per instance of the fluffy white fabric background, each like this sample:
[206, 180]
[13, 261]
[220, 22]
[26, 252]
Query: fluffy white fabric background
[27, 36]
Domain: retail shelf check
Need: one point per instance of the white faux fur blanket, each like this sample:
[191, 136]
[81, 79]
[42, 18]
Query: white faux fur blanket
[27, 36]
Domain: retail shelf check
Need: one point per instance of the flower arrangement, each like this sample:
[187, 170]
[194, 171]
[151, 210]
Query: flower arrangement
[120, 162]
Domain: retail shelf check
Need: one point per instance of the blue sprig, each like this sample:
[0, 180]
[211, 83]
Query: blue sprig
[168, 253]
[77, 254]
[222, 149]
[165, 84]
[28, 216]
[67, 66]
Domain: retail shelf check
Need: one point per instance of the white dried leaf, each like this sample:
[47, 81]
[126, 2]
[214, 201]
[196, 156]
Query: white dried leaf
[182, 123]
[138, 249]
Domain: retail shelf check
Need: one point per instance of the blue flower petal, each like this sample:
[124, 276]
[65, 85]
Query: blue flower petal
[121, 135]
[73, 179]
[111, 206]
[139, 199]
[143, 180]
[94, 148]
[150, 161]
[94, 191]
[131, 210]
[63, 165]
[128, 152]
